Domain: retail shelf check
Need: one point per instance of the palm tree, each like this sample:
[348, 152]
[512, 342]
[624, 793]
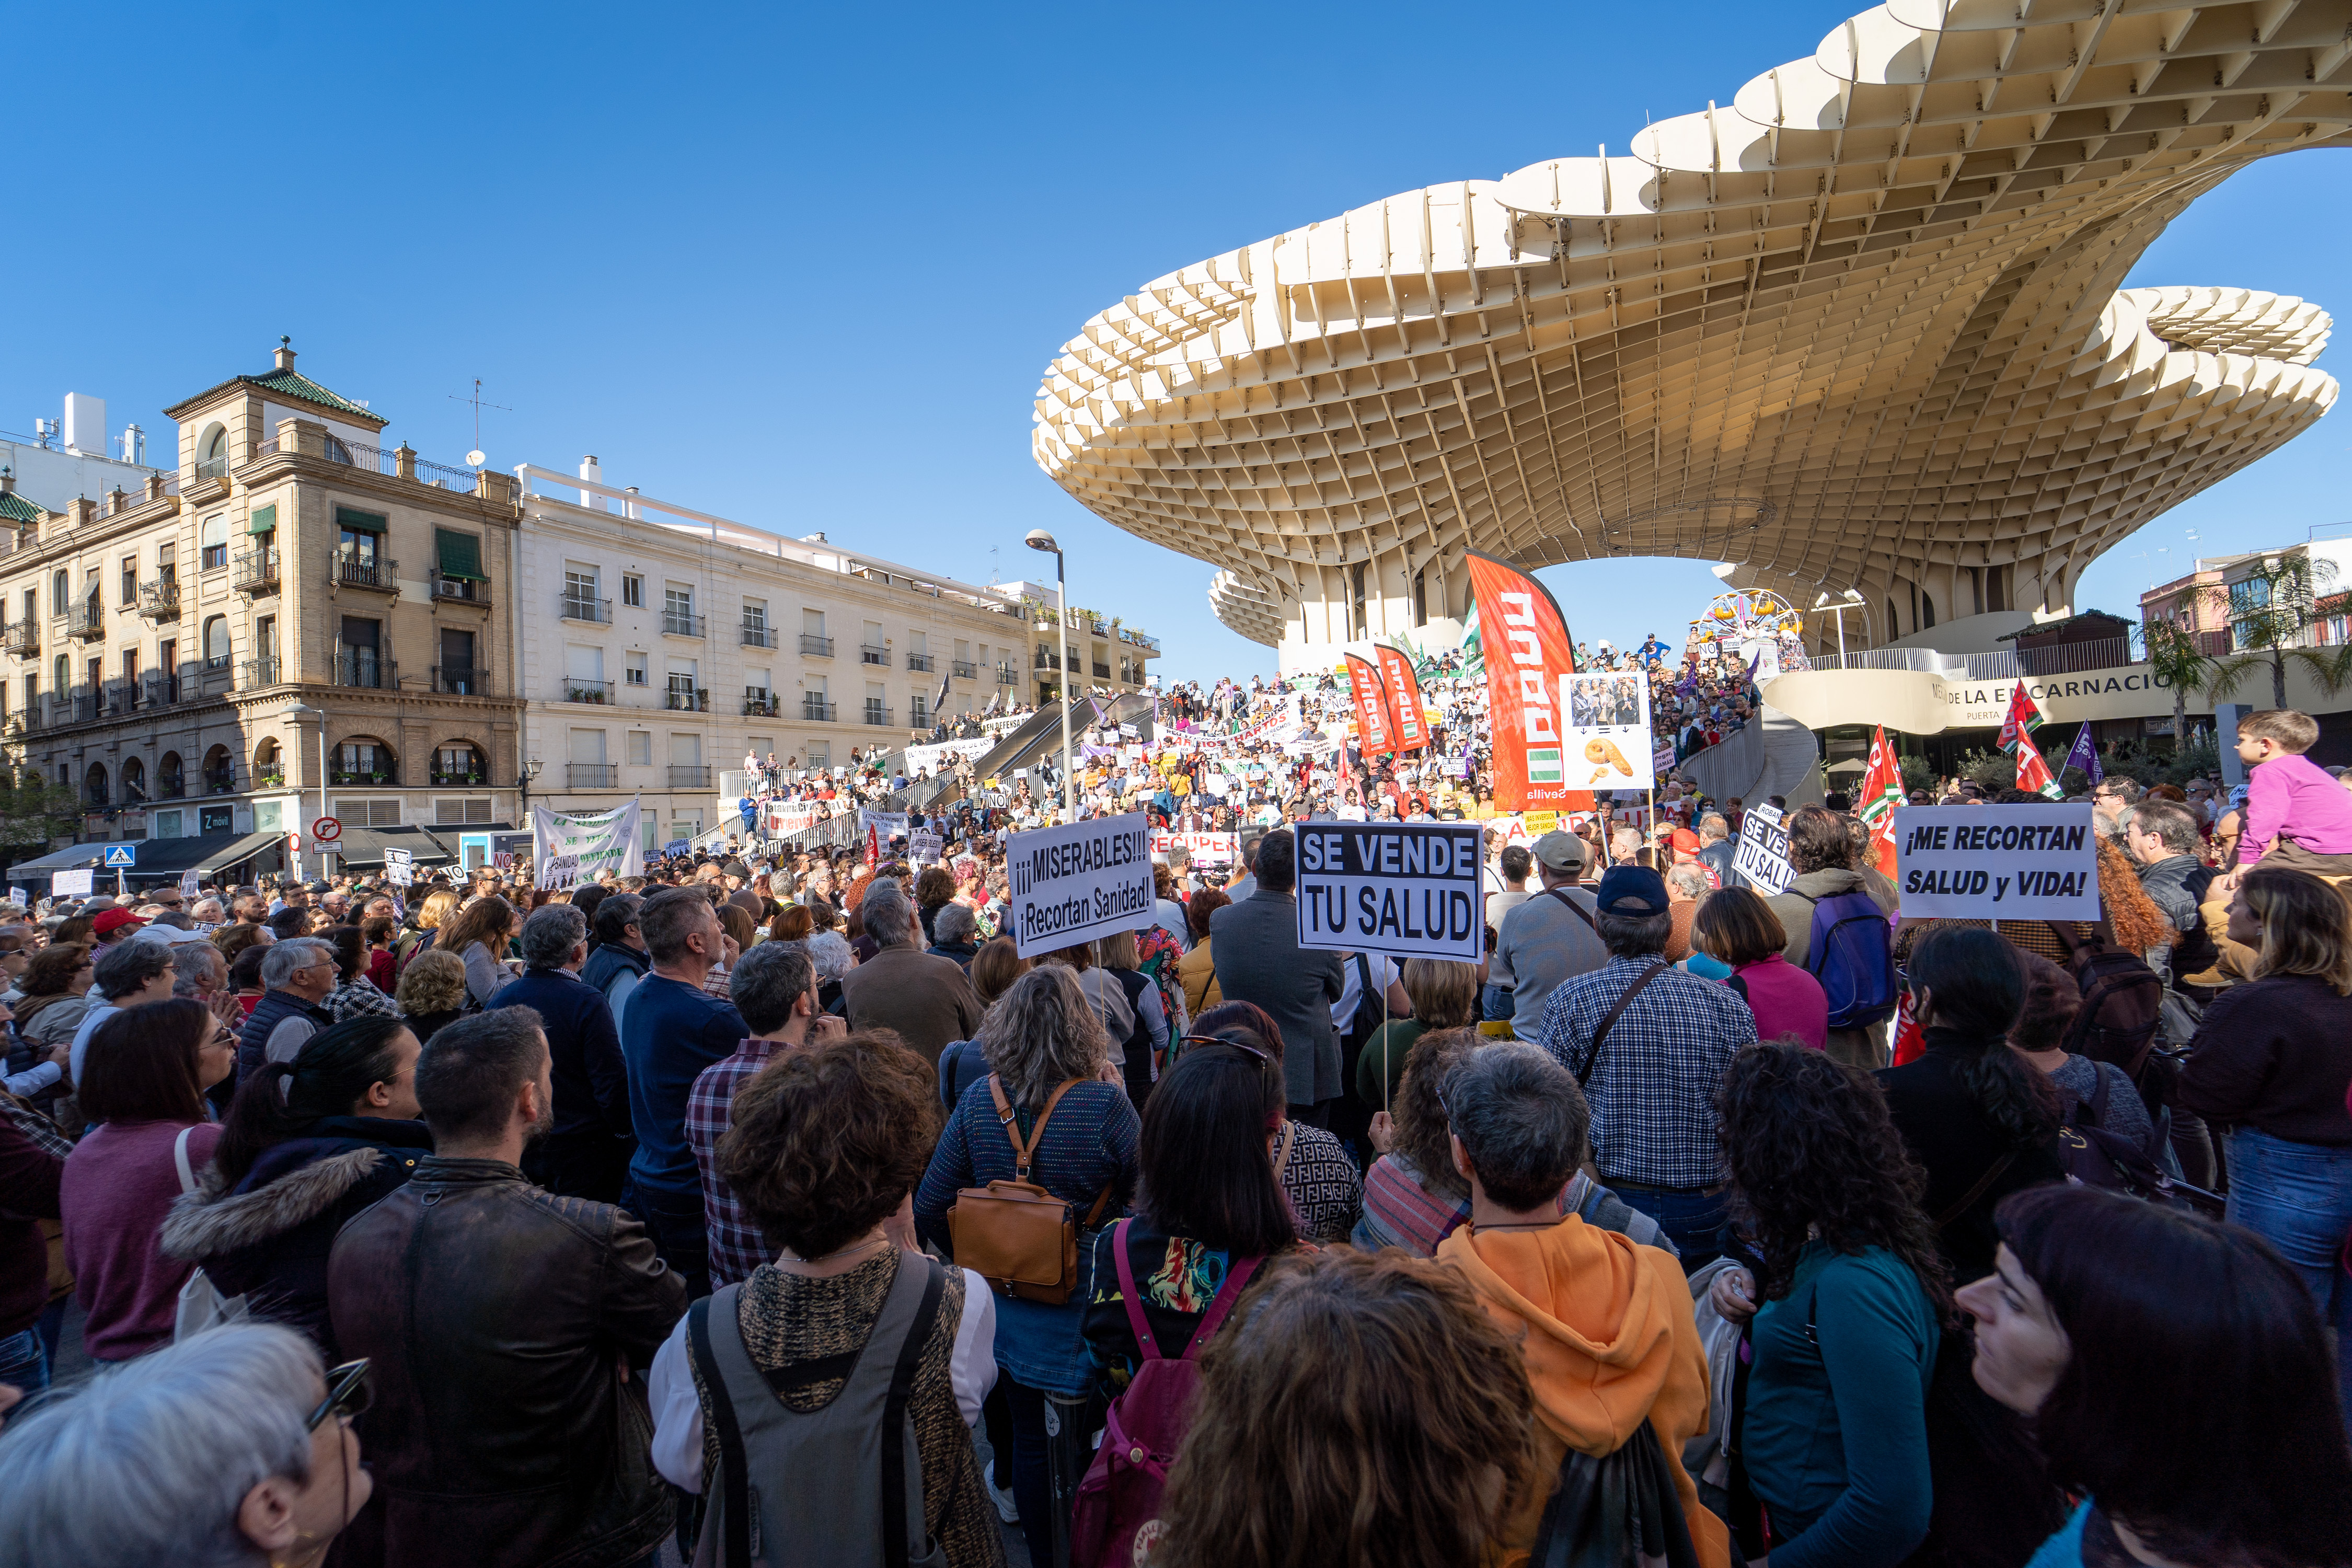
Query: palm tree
[2272, 608]
[2174, 660]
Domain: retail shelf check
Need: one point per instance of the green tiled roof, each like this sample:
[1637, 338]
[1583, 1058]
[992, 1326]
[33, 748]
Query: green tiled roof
[292, 384]
[17, 508]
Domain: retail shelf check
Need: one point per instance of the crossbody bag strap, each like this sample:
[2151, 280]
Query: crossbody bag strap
[733, 1469]
[1024, 1152]
[1282, 1160]
[1573, 907]
[895, 1544]
[1984, 1184]
[180, 1160]
[1600, 1034]
[2065, 938]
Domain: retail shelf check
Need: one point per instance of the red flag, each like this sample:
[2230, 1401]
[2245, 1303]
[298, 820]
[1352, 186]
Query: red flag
[2020, 718]
[1528, 651]
[1404, 693]
[2032, 773]
[1881, 792]
[1374, 733]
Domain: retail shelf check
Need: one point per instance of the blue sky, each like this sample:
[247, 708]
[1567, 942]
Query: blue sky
[805, 269]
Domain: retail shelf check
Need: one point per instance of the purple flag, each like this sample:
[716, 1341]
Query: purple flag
[2083, 755]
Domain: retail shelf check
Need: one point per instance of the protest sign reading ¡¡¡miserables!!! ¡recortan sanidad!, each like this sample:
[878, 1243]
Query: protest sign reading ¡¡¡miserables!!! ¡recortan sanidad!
[1761, 857]
[1410, 889]
[1998, 862]
[1078, 881]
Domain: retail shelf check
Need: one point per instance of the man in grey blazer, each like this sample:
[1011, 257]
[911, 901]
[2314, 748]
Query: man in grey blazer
[1258, 959]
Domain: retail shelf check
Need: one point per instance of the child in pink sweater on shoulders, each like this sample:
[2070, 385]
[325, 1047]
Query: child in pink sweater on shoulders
[2298, 815]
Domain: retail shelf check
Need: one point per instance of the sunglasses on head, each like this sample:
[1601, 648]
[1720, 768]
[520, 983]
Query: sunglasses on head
[1237, 1045]
[348, 1394]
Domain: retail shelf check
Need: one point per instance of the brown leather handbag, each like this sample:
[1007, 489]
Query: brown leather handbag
[1015, 1234]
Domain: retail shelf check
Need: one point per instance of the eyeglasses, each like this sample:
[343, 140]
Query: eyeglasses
[348, 1394]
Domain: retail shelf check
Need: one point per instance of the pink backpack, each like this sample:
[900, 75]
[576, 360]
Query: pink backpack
[1116, 1513]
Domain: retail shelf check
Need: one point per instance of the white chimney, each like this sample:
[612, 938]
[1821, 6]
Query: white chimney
[85, 425]
[593, 471]
[134, 445]
[629, 508]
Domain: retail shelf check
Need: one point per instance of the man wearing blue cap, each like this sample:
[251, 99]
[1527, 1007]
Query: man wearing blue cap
[1649, 1042]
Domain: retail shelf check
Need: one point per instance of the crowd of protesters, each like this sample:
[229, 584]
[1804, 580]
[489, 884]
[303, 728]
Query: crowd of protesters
[772, 1204]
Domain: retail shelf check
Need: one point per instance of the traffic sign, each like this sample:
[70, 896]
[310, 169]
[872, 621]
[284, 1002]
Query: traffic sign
[122, 855]
[326, 830]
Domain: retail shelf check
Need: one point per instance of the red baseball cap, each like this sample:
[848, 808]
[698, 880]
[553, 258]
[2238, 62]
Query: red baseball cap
[1685, 841]
[115, 919]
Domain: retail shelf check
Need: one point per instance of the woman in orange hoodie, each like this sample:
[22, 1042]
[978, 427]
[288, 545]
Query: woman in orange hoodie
[1605, 1325]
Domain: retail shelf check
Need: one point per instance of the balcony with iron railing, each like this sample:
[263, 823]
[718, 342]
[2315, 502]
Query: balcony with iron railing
[689, 776]
[255, 571]
[1102, 670]
[256, 673]
[762, 706]
[376, 574]
[681, 701]
[758, 634]
[814, 647]
[1046, 659]
[366, 669]
[680, 624]
[597, 692]
[591, 775]
[461, 680]
[962, 669]
[584, 607]
[869, 654]
[459, 591]
[396, 462]
[877, 713]
[85, 621]
[22, 638]
[221, 780]
[160, 600]
[817, 711]
[171, 784]
[121, 697]
[1006, 674]
[381, 776]
[213, 468]
[921, 661]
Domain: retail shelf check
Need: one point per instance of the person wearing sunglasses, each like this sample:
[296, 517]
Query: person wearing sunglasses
[241, 1448]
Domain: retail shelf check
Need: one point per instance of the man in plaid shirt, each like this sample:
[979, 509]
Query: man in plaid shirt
[773, 987]
[1652, 1079]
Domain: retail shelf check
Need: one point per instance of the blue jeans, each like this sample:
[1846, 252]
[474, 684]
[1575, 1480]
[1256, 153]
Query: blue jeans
[1495, 1004]
[1693, 1221]
[2297, 1197]
[25, 1362]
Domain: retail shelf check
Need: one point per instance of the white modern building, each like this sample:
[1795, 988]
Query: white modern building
[73, 457]
[657, 644]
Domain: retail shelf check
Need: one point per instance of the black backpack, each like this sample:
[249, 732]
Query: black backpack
[2095, 1156]
[2123, 1000]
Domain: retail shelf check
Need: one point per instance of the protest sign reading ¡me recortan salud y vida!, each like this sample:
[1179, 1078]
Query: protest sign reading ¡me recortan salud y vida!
[1997, 862]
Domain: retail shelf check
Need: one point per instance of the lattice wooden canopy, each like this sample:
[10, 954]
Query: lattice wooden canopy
[1859, 327]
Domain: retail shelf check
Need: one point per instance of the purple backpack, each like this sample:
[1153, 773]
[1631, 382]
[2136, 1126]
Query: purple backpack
[1119, 1501]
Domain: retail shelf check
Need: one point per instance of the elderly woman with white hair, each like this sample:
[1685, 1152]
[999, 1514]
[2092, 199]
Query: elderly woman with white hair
[231, 1450]
[830, 951]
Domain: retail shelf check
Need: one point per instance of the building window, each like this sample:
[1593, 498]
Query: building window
[168, 823]
[214, 543]
[363, 761]
[459, 764]
[61, 593]
[461, 813]
[367, 813]
[130, 580]
[641, 749]
[269, 816]
[633, 591]
[636, 669]
[216, 643]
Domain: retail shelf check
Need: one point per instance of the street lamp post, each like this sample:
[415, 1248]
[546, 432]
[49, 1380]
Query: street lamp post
[1838, 607]
[1040, 540]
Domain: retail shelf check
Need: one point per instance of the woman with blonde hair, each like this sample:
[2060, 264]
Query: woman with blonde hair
[735, 921]
[1445, 995]
[432, 992]
[435, 910]
[1054, 1092]
[2270, 1063]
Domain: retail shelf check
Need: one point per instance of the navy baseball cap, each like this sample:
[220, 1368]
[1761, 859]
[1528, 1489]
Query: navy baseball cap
[1632, 891]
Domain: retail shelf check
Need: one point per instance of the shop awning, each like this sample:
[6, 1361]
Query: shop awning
[362, 848]
[460, 556]
[203, 852]
[71, 860]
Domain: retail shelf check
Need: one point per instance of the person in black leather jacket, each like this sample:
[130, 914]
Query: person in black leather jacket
[508, 1331]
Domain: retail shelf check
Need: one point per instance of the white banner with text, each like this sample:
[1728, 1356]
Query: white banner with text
[1410, 889]
[1078, 881]
[1997, 862]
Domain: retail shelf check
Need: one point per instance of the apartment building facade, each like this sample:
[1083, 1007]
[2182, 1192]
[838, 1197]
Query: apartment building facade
[296, 620]
[658, 645]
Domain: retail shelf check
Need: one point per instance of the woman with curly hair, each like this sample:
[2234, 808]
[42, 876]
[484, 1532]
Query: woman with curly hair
[762, 1381]
[1055, 1068]
[935, 890]
[432, 992]
[1362, 1412]
[1979, 1118]
[1848, 1302]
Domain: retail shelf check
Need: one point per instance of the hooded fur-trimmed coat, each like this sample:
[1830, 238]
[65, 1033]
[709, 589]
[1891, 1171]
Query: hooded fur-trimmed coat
[269, 1240]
